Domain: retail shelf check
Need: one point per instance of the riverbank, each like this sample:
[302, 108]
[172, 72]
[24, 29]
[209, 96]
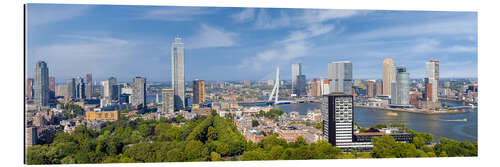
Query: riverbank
[418, 111]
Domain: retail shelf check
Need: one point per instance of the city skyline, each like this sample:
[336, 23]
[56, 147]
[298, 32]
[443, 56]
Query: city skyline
[104, 50]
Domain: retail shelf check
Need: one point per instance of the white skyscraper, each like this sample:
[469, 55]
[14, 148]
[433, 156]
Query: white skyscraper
[178, 73]
[387, 76]
[340, 76]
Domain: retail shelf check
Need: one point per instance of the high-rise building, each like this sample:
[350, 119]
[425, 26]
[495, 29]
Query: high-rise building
[432, 73]
[167, 96]
[247, 83]
[62, 90]
[52, 87]
[41, 85]
[316, 88]
[79, 88]
[89, 90]
[337, 110]
[300, 87]
[325, 86]
[378, 88]
[387, 76]
[178, 73]
[340, 76]
[110, 92]
[198, 92]
[371, 88]
[296, 71]
[402, 86]
[71, 85]
[29, 88]
[139, 92]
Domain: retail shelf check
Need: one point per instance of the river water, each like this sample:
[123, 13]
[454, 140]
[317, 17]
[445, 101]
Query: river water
[440, 125]
[450, 126]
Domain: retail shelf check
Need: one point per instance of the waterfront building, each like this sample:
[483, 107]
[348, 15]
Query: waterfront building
[316, 88]
[432, 81]
[378, 88]
[177, 52]
[71, 92]
[89, 90]
[296, 71]
[415, 98]
[198, 92]
[370, 88]
[167, 96]
[387, 76]
[325, 86]
[29, 88]
[402, 86]
[79, 88]
[104, 116]
[340, 76]
[337, 110]
[138, 92]
[41, 85]
[52, 87]
[300, 87]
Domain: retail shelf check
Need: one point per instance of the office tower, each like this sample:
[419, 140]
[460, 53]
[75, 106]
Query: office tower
[301, 86]
[167, 97]
[316, 88]
[79, 88]
[370, 88]
[378, 88]
[52, 87]
[325, 87]
[29, 88]
[89, 90]
[110, 92]
[296, 71]
[387, 76]
[394, 93]
[70, 82]
[340, 76]
[402, 86]
[198, 92]
[337, 110]
[41, 85]
[432, 73]
[62, 90]
[114, 90]
[139, 92]
[178, 73]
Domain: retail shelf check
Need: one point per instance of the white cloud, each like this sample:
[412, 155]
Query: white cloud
[450, 27]
[209, 37]
[281, 55]
[321, 15]
[175, 13]
[266, 21]
[310, 32]
[42, 14]
[246, 14]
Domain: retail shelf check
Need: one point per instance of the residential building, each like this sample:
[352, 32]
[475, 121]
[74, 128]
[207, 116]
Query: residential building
[300, 87]
[178, 73]
[79, 88]
[402, 86]
[432, 84]
[70, 84]
[198, 92]
[387, 76]
[340, 76]
[371, 88]
[168, 100]
[139, 92]
[52, 87]
[296, 71]
[89, 90]
[41, 85]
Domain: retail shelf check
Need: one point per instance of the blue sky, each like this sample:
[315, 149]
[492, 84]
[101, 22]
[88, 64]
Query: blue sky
[244, 43]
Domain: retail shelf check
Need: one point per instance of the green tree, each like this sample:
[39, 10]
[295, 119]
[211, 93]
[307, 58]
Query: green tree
[383, 146]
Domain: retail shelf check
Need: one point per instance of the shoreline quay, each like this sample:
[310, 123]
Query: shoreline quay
[418, 111]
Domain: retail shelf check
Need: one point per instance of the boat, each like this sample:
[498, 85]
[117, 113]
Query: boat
[392, 114]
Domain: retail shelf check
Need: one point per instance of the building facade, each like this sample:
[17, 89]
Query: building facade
[432, 75]
[340, 76]
[41, 84]
[300, 87]
[198, 92]
[139, 92]
[102, 115]
[52, 87]
[337, 110]
[387, 76]
[167, 96]
[29, 88]
[371, 89]
[79, 88]
[178, 73]
[296, 71]
[402, 86]
[89, 90]
[70, 84]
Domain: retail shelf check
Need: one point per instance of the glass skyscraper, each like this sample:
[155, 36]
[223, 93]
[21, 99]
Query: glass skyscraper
[178, 73]
[402, 86]
[41, 85]
[340, 75]
[296, 71]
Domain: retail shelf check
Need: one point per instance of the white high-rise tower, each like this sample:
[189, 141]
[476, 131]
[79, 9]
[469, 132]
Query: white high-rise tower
[178, 72]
